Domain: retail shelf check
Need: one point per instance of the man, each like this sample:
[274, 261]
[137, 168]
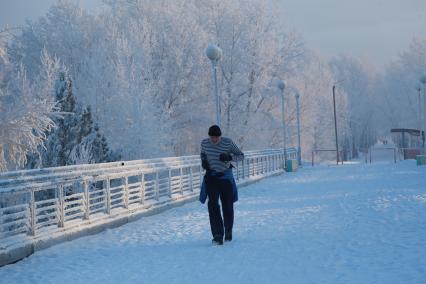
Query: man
[217, 152]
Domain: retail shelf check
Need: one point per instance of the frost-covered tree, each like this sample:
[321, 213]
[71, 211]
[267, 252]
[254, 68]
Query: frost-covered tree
[26, 109]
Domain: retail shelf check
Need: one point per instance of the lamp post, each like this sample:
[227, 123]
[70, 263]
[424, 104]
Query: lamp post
[281, 86]
[335, 124]
[420, 107]
[422, 128]
[214, 53]
[299, 150]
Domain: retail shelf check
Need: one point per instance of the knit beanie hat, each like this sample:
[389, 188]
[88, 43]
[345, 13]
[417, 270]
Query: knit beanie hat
[214, 130]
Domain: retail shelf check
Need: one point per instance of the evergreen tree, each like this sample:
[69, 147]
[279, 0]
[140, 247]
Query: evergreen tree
[74, 140]
[64, 138]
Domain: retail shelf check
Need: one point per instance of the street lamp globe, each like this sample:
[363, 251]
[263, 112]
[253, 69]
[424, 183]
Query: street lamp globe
[281, 85]
[213, 52]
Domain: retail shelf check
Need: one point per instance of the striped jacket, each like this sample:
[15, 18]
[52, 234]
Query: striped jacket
[212, 151]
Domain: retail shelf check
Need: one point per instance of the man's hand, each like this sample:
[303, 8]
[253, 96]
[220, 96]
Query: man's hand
[224, 157]
[204, 162]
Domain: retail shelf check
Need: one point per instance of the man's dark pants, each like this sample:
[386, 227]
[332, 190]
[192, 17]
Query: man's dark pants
[220, 188]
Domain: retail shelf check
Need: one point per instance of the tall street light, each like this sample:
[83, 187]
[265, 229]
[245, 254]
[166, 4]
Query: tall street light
[281, 86]
[335, 124]
[298, 129]
[420, 107]
[422, 130]
[214, 53]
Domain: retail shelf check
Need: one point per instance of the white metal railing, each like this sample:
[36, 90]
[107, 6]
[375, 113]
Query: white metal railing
[38, 202]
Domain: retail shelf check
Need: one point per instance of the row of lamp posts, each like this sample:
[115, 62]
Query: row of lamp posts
[214, 53]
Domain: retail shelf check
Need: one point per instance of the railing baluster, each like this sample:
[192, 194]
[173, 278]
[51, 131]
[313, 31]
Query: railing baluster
[191, 180]
[248, 168]
[181, 180]
[157, 187]
[32, 213]
[201, 178]
[108, 196]
[86, 200]
[170, 183]
[142, 189]
[126, 192]
[61, 206]
[264, 165]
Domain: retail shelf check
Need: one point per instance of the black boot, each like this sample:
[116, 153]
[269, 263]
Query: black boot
[217, 240]
[228, 236]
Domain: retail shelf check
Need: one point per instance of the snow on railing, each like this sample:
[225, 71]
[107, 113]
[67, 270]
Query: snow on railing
[35, 203]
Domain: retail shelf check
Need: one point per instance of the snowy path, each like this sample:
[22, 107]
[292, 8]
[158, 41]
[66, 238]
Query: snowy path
[347, 224]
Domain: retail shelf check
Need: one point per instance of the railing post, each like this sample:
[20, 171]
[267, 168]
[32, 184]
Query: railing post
[238, 172]
[142, 189]
[157, 187]
[181, 180]
[86, 200]
[273, 162]
[126, 192]
[265, 167]
[170, 183]
[270, 161]
[277, 161]
[313, 158]
[108, 196]
[61, 206]
[32, 213]
[253, 165]
[268, 158]
[191, 182]
[201, 178]
[248, 168]
[243, 174]
[257, 166]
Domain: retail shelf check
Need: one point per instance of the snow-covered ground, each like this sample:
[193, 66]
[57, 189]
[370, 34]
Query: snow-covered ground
[355, 223]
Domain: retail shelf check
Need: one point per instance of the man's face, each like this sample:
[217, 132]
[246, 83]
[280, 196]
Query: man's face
[215, 139]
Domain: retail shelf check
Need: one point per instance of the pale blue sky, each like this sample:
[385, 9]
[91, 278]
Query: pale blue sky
[373, 30]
